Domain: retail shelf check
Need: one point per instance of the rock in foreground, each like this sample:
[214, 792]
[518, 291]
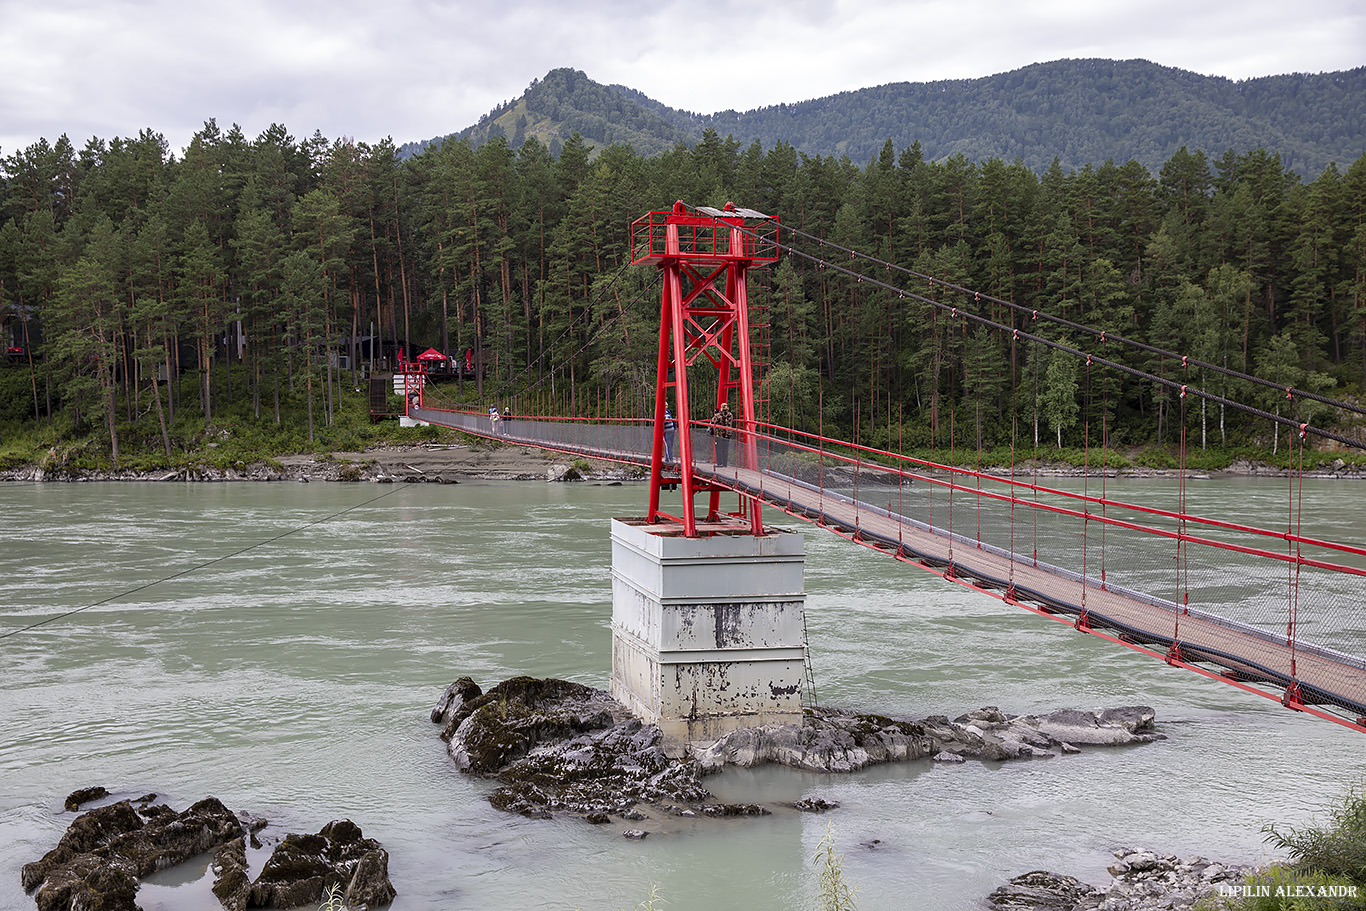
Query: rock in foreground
[105, 851]
[304, 867]
[1143, 881]
[97, 864]
[560, 746]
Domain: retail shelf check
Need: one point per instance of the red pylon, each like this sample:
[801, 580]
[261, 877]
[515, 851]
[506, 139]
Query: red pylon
[704, 256]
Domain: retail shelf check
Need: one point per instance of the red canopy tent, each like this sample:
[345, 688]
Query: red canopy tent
[431, 356]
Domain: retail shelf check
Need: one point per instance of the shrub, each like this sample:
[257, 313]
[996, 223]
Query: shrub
[836, 894]
[1336, 850]
[1326, 870]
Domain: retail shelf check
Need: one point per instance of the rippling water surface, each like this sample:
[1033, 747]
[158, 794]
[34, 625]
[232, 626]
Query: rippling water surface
[294, 680]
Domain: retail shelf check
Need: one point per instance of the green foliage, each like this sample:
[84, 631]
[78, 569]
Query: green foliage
[201, 309]
[16, 399]
[1156, 457]
[1337, 849]
[1283, 889]
[835, 892]
[1280, 888]
[1326, 870]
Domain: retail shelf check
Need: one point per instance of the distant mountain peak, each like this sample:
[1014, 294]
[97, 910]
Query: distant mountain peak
[1078, 110]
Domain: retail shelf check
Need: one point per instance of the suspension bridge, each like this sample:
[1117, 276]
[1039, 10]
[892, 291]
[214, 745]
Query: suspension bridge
[1275, 612]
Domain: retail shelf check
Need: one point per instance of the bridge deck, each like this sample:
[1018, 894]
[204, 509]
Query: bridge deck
[1243, 652]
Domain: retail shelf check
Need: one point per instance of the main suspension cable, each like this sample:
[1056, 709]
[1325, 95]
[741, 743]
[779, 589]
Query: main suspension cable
[1102, 334]
[957, 312]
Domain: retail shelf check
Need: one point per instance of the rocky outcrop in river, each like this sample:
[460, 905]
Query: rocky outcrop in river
[1142, 881]
[556, 746]
[98, 862]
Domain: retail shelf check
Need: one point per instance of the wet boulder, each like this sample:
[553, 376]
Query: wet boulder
[98, 861]
[75, 799]
[303, 867]
[231, 884]
[1111, 727]
[600, 772]
[509, 721]
[456, 695]
[830, 740]
[1040, 890]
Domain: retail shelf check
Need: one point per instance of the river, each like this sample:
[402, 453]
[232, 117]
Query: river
[294, 680]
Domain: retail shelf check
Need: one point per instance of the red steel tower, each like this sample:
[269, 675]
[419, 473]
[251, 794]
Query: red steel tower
[705, 255]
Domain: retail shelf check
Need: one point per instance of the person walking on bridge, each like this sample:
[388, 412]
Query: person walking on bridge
[723, 428]
[670, 430]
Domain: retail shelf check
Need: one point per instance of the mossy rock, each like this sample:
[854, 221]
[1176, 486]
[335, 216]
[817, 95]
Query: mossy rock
[509, 720]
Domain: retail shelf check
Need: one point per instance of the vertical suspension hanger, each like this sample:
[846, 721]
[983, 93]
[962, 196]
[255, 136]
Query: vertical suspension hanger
[1182, 582]
[1038, 349]
[1293, 697]
[1014, 427]
[1104, 454]
[1083, 620]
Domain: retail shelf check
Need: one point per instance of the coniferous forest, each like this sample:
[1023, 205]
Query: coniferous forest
[151, 302]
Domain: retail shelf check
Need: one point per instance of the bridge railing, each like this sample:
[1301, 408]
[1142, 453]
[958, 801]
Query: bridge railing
[1287, 587]
[627, 440]
[1281, 586]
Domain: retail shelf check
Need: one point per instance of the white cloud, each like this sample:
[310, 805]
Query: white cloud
[413, 69]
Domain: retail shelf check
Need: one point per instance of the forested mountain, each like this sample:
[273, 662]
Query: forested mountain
[566, 102]
[157, 300]
[1079, 111]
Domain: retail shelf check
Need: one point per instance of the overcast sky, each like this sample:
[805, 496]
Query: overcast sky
[415, 69]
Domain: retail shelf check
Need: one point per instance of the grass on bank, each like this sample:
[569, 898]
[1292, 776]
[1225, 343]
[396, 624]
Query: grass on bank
[1326, 869]
[236, 436]
[233, 438]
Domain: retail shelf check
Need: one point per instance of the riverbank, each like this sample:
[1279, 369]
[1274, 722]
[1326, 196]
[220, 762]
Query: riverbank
[436, 463]
[451, 462]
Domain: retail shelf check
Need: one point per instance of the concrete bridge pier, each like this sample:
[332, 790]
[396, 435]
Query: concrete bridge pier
[708, 634]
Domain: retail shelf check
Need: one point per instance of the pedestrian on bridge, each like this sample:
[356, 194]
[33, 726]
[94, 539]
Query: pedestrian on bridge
[494, 419]
[723, 428]
[670, 430]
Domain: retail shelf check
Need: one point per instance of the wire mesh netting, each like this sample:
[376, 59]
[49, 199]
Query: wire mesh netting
[1262, 606]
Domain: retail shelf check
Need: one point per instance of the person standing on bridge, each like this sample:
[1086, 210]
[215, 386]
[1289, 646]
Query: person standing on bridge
[723, 424]
[494, 419]
[670, 430]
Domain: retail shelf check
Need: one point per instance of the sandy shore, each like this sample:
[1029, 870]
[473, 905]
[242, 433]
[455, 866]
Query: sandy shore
[441, 463]
[451, 462]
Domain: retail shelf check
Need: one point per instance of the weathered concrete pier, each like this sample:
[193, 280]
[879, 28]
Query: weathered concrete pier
[708, 633]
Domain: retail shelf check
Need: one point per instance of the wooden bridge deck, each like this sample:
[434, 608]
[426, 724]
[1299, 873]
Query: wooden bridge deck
[1244, 653]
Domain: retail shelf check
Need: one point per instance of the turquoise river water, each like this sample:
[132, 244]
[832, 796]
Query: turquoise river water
[294, 680]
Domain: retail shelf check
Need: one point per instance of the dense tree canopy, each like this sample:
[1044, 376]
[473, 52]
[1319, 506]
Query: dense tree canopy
[122, 266]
